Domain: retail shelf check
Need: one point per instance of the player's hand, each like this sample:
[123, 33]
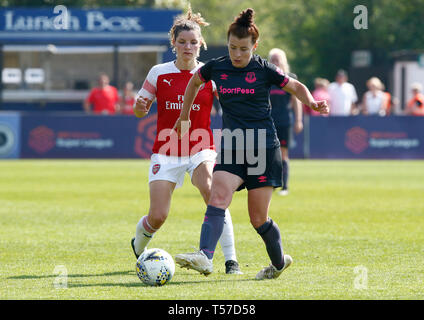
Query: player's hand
[181, 127]
[320, 106]
[142, 106]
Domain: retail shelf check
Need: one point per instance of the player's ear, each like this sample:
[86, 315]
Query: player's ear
[255, 46]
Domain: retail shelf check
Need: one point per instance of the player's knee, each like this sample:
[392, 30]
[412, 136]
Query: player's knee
[220, 199]
[257, 221]
[157, 217]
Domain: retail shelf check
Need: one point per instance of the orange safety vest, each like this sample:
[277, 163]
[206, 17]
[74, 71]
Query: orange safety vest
[416, 104]
[388, 103]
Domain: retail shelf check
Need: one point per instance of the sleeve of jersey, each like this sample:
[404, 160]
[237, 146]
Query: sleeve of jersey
[205, 72]
[277, 76]
[148, 90]
[214, 90]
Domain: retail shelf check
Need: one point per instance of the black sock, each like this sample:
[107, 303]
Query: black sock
[270, 233]
[211, 230]
[285, 174]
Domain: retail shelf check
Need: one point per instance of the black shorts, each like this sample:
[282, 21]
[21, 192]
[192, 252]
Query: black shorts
[284, 135]
[267, 171]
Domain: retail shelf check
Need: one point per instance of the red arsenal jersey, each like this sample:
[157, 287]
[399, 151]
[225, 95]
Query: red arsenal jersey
[167, 84]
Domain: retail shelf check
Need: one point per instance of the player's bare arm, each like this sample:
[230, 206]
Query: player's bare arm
[190, 94]
[141, 107]
[301, 92]
[298, 114]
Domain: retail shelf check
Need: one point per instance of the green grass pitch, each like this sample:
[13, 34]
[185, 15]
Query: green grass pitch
[355, 230]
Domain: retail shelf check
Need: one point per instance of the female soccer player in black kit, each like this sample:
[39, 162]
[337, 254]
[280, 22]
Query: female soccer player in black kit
[283, 103]
[243, 81]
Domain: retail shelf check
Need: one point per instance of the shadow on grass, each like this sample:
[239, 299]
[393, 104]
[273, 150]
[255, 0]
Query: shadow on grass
[118, 284]
[140, 284]
[106, 274]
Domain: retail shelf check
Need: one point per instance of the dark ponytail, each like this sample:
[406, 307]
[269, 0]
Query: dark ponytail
[244, 26]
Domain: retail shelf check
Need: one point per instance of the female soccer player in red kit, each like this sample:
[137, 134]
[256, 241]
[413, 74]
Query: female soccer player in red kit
[243, 81]
[172, 158]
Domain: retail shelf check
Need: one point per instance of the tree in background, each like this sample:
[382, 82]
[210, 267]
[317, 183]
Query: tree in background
[318, 35]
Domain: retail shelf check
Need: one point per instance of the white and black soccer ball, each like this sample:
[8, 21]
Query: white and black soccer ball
[155, 267]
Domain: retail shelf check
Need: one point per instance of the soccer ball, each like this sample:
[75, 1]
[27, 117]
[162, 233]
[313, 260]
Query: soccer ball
[155, 267]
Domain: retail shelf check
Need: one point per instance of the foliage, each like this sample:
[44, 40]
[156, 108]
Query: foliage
[319, 35]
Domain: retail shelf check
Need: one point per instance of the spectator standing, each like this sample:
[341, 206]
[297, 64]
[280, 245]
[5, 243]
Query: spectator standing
[415, 106]
[320, 93]
[374, 100]
[390, 102]
[104, 99]
[127, 99]
[343, 96]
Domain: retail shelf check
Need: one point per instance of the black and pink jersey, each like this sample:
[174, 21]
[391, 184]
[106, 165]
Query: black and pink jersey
[244, 94]
[167, 84]
[280, 103]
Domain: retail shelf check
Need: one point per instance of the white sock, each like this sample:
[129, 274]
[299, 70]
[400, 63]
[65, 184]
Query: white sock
[142, 236]
[227, 238]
